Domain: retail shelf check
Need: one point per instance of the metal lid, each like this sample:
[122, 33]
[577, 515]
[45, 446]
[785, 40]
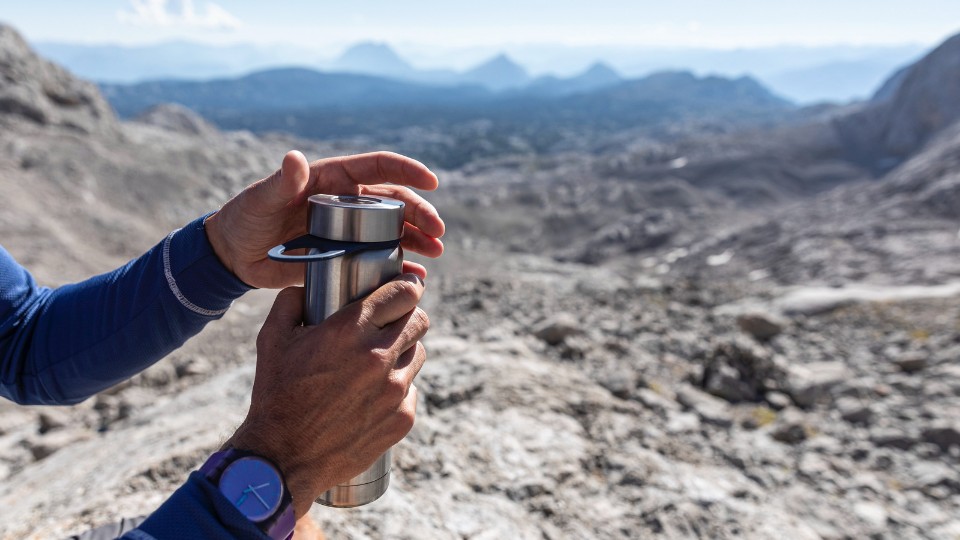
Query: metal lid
[355, 218]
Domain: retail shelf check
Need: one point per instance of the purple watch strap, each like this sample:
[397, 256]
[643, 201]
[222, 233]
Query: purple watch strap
[279, 527]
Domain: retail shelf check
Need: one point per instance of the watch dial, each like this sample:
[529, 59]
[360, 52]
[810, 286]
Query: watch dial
[253, 486]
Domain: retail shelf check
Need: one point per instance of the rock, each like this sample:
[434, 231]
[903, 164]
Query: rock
[678, 422]
[655, 401]
[873, 514]
[810, 383]
[892, 438]
[51, 419]
[554, 330]
[778, 400]
[41, 92]
[177, 118]
[43, 446]
[929, 475]
[738, 371]
[945, 436]
[911, 362]
[710, 409]
[194, 366]
[762, 326]
[791, 428]
[854, 411]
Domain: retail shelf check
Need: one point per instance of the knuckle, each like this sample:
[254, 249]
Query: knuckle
[403, 422]
[394, 391]
[406, 291]
[379, 358]
[421, 319]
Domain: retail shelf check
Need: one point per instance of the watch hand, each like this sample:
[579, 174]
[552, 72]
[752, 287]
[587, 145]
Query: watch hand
[243, 496]
[263, 502]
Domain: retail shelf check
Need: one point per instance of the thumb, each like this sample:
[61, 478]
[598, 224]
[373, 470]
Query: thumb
[288, 183]
[287, 311]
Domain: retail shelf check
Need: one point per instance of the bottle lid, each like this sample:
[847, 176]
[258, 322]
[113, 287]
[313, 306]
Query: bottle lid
[355, 218]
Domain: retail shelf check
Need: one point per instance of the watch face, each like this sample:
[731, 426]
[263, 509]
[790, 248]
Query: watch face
[253, 486]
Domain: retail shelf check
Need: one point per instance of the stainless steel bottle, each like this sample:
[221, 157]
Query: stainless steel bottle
[353, 247]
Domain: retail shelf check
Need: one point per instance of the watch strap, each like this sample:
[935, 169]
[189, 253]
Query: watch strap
[280, 525]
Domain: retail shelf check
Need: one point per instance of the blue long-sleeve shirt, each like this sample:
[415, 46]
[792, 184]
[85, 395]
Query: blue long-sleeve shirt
[61, 346]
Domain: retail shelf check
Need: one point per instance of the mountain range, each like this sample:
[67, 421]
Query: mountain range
[835, 73]
[543, 112]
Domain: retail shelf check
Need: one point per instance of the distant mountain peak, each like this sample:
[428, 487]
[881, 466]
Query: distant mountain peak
[373, 57]
[601, 69]
[498, 73]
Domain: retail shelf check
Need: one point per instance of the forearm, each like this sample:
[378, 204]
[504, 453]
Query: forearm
[70, 343]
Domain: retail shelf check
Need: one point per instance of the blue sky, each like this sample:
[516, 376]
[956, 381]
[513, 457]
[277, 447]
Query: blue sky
[436, 23]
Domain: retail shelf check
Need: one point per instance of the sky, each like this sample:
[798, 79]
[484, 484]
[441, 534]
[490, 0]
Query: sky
[446, 24]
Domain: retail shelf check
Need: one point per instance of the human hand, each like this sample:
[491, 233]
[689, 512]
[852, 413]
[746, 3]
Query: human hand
[274, 210]
[329, 399]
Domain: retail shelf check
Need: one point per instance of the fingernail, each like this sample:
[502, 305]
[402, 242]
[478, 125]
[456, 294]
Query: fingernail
[412, 278]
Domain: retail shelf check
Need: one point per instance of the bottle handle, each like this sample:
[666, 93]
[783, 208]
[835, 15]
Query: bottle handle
[329, 249]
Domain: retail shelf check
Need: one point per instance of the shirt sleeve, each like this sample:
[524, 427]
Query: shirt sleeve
[61, 346]
[196, 510]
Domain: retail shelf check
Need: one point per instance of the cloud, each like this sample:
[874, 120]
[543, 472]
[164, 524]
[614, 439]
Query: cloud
[164, 13]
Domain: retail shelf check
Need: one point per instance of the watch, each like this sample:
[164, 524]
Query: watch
[254, 485]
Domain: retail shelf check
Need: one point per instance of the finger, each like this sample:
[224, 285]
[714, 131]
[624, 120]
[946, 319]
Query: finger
[410, 363]
[402, 335]
[410, 267]
[287, 310]
[380, 167]
[285, 186]
[393, 300]
[416, 209]
[414, 240]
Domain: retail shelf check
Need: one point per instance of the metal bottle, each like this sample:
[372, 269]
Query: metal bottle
[353, 247]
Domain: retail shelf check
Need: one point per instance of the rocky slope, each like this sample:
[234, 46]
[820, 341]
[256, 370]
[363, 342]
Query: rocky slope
[623, 342]
[909, 109]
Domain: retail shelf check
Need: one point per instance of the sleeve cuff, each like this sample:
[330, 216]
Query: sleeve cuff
[194, 273]
[198, 510]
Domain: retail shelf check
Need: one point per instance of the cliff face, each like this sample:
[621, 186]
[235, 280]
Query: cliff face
[913, 106]
[38, 91]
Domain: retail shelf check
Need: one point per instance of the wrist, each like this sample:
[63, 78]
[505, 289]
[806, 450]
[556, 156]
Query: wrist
[255, 487]
[213, 227]
[298, 480]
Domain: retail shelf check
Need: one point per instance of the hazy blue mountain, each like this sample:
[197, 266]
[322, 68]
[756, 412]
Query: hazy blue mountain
[329, 105]
[804, 74]
[498, 73]
[373, 58]
[598, 75]
[282, 89]
[835, 81]
[185, 60]
[683, 86]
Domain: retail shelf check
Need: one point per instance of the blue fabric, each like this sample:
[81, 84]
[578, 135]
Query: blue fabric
[197, 510]
[61, 346]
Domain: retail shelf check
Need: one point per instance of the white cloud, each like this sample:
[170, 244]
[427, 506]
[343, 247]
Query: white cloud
[164, 13]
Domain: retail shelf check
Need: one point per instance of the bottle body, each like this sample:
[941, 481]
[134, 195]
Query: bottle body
[353, 247]
[330, 285]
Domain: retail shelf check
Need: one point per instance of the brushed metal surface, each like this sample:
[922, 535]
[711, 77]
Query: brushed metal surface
[334, 283]
[352, 218]
[349, 496]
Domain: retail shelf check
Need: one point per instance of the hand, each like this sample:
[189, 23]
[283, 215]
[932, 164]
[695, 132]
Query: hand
[274, 210]
[329, 399]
